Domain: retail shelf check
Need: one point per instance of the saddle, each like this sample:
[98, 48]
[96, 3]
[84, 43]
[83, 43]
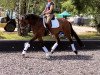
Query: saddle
[54, 22]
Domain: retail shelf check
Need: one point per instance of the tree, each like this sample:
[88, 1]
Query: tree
[95, 5]
[90, 7]
[23, 7]
[23, 31]
[68, 6]
[8, 4]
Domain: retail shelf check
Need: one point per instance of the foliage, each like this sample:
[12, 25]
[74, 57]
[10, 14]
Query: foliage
[74, 6]
[80, 5]
[68, 6]
[8, 4]
[89, 7]
[39, 7]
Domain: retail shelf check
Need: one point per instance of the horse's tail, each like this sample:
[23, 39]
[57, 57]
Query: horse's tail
[73, 33]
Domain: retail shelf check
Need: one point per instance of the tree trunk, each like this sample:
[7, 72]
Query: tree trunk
[97, 22]
[57, 6]
[22, 10]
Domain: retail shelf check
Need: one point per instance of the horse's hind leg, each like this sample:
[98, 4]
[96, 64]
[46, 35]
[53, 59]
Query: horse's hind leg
[44, 47]
[27, 45]
[71, 42]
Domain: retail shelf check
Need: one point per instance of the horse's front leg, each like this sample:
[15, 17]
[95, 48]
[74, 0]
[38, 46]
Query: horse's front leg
[44, 47]
[27, 45]
[56, 44]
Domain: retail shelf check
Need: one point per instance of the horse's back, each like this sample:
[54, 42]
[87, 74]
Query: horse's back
[63, 22]
[64, 25]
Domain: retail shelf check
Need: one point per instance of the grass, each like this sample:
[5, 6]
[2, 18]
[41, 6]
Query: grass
[90, 35]
[15, 36]
[2, 25]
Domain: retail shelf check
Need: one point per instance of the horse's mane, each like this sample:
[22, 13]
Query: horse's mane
[31, 16]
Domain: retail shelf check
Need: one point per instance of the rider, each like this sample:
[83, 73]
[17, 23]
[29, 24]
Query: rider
[49, 11]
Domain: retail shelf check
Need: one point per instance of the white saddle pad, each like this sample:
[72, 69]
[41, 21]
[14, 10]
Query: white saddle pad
[55, 23]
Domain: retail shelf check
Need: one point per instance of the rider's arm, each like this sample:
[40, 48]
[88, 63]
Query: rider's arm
[44, 11]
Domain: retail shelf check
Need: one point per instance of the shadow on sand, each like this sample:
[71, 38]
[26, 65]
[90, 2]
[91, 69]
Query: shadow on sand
[70, 57]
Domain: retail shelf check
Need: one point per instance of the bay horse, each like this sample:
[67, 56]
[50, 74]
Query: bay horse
[39, 31]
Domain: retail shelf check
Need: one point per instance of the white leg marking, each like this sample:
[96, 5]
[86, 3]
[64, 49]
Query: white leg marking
[73, 47]
[24, 52]
[47, 55]
[54, 47]
[26, 46]
[46, 51]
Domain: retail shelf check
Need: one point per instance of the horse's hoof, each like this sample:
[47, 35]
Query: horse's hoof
[23, 53]
[47, 55]
[51, 52]
[76, 52]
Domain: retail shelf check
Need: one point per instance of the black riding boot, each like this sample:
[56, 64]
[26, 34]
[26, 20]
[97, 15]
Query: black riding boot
[46, 31]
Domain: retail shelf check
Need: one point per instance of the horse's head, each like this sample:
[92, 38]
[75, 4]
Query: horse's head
[28, 19]
[23, 24]
[23, 21]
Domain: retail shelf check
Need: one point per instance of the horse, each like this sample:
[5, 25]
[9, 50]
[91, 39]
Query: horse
[39, 31]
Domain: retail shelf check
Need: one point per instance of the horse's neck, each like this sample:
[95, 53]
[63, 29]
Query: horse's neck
[37, 22]
[37, 26]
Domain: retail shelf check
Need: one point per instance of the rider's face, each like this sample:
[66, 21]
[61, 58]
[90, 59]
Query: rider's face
[49, 0]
